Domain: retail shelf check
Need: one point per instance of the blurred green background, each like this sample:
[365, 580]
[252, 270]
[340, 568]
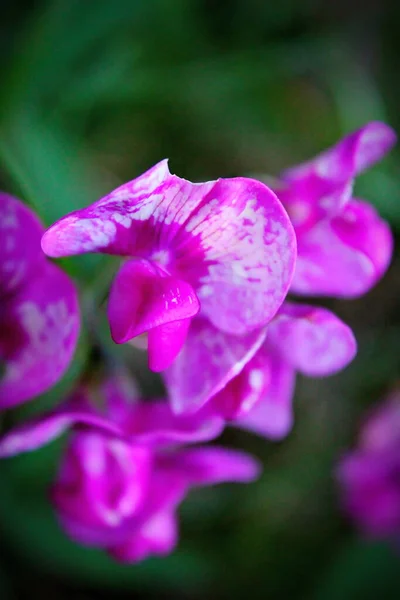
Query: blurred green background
[94, 92]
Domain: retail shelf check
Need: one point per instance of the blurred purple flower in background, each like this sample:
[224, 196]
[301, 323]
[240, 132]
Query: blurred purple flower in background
[369, 477]
[225, 248]
[124, 473]
[344, 247]
[39, 313]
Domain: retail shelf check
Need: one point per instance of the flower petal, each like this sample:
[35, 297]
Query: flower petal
[344, 257]
[165, 343]
[39, 331]
[20, 252]
[210, 465]
[355, 153]
[230, 238]
[242, 392]
[248, 250]
[208, 360]
[155, 423]
[143, 298]
[272, 415]
[116, 224]
[46, 428]
[158, 535]
[312, 340]
[321, 187]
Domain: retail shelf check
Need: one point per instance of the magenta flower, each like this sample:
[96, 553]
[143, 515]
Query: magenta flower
[369, 477]
[225, 248]
[344, 247]
[123, 475]
[39, 315]
[301, 338]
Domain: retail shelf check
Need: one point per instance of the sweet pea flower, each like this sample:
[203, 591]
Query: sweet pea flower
[125, 472]
[224, 249]
[39, 314]
[369, 476]
[344, 247]
[301, 338]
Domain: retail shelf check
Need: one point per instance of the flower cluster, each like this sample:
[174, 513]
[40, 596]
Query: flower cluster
[205, 270]
[369, 477]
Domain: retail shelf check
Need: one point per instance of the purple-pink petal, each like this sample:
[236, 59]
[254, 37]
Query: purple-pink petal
[343, 257]
[355, 153]
[272, 415]
[312, 340]
[230, 239]
[154, 423]
[143, 297]
[211, 465]
[39, 327]
[42, 430]
[20, 253]
[157, 535]
[207, 362]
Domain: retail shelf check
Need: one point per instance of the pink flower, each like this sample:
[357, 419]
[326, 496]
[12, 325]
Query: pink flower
[39, 314]
[301, 338]
[124, 474]
[344, 247]
[225, 248]
[369, 477]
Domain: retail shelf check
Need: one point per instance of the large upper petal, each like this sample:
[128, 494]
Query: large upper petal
[343, 257]
[311, 339]
[209, 359]
[39, 327]
[230, 239]
[20, 252]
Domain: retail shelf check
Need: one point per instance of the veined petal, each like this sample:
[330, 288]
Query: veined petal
[116, 224]
[20, 252]
[38, 335]
[343, 257]
[312, 340]
[209, 359]
[272, 415]
[143, 298]
[230, 239]
[238, 250]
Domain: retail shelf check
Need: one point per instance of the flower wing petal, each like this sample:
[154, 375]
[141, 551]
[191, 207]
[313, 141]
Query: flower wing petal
[312, 340]
[209, 359]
